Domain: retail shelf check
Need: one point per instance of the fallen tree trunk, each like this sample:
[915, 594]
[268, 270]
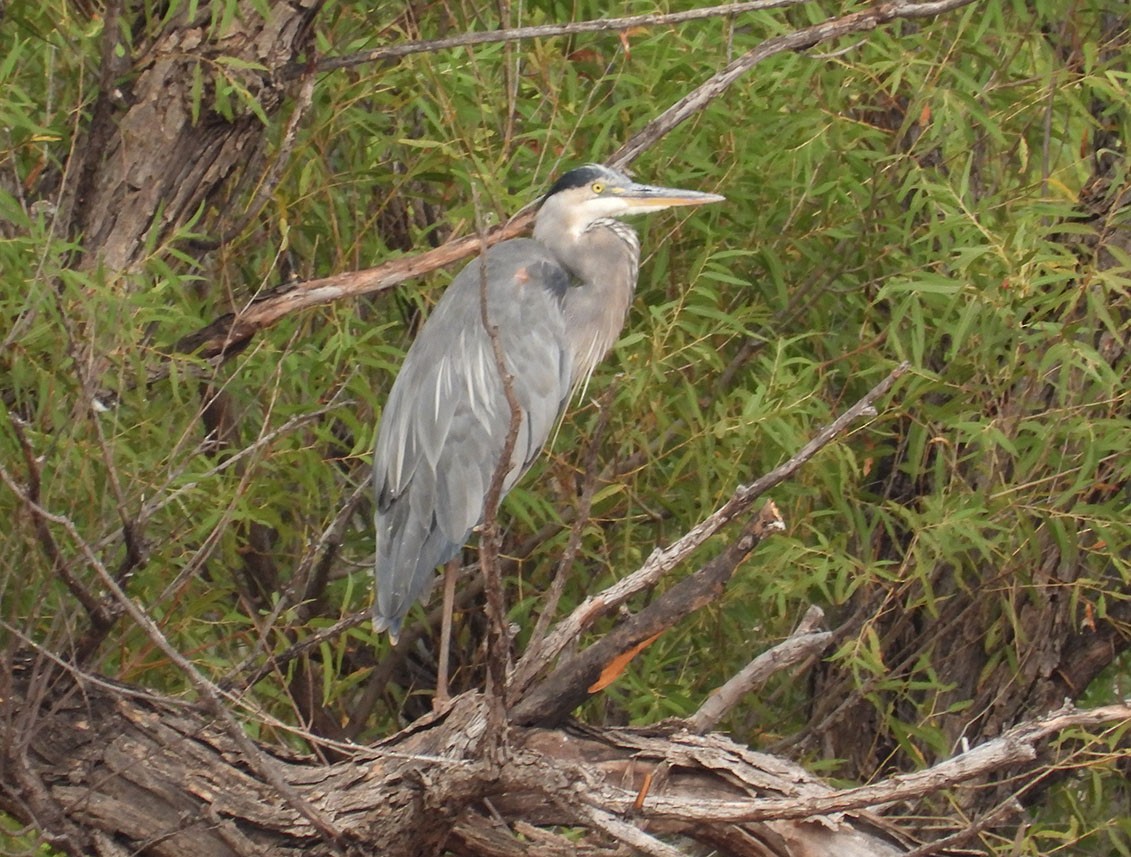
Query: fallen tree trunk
[120, 771]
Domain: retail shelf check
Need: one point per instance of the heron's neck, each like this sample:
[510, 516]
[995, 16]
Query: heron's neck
[604, 259]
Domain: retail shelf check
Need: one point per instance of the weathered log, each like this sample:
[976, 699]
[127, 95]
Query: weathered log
[117, 768]
[105, 769]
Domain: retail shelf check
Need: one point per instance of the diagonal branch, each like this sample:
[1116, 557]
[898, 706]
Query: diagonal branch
[1017, 745]
[857, 22]
[567, 686]
[230, 333]
[804, 643]
[663, 560]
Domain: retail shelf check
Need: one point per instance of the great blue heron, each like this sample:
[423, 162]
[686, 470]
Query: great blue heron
[558, 301]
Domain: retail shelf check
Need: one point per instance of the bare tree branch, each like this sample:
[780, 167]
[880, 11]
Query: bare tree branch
[804, 643]
[629, 834]
[230, 333]
[868, 19]
[1017, 745]
[544, 31]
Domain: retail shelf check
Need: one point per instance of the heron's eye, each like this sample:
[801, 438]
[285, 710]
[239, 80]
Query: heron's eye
[597, 187]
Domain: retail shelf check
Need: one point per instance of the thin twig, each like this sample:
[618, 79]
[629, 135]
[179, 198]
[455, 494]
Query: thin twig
[545, 31]
[994, 818]
[239, 683]
[308, 583]
[522, 676]
[166, 497]
[135, 553]
[84, 677]
[498, 637]
[29, 495]
[313, 571]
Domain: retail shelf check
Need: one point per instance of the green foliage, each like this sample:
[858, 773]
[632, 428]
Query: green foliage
[912, 199]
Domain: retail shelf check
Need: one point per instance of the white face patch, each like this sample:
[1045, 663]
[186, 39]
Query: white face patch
[579, 216]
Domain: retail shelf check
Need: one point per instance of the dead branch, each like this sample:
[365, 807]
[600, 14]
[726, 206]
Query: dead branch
[804, 643]
[629, 834]
[1016, 746]
[856, 22]
[158, 777]
[568, 685]
[231, 332]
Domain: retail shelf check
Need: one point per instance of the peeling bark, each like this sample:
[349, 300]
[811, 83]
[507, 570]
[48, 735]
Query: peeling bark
[158, 778]
[119, 770]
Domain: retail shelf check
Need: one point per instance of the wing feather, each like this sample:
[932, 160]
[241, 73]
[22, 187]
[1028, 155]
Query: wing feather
[445, 423]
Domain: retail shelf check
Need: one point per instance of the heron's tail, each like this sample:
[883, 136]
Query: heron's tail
[405, 571]
[381, 624]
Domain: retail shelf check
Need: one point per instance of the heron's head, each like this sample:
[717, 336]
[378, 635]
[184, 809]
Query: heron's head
[594, 192]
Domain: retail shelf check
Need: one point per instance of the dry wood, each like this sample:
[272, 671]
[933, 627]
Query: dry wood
[804, 643]
[127, 769]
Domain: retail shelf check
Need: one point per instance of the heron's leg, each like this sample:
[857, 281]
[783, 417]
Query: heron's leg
[451, 571]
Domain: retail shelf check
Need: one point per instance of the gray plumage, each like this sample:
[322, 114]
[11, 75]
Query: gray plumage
[559, 301]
